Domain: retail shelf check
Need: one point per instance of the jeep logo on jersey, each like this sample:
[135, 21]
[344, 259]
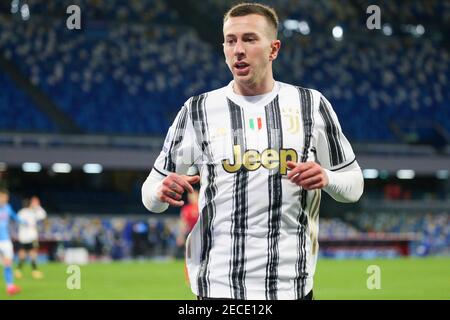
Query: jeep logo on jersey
[252, 160]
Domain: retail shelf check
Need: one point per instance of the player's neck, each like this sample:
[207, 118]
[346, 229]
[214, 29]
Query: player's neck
[256, 89]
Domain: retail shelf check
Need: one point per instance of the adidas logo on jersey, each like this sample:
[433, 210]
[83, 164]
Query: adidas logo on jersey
[252, 160]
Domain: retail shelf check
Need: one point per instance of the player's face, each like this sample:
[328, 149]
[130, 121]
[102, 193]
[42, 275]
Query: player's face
[3, 199]
[249, 47]
[35, 202]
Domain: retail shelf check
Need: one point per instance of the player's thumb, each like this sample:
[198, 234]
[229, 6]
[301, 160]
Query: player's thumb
[193, 179]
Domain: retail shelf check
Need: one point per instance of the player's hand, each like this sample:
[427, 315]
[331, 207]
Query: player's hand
[173, 186]
[308, 175]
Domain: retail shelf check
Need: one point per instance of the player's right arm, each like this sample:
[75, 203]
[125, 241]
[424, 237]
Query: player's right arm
[14, 216]
[158, 194]
[167, 181]
[344, 179]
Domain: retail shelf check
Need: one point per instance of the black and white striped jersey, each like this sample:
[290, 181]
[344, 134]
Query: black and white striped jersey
[257, 234]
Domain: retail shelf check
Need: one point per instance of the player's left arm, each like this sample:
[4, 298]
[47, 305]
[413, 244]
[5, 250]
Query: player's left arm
[345, 185]
[335, 170]
[41, 214]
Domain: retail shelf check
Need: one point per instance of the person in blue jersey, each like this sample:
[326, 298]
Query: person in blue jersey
[6, 247]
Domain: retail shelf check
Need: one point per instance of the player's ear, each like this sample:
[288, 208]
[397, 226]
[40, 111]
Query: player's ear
[274, 49]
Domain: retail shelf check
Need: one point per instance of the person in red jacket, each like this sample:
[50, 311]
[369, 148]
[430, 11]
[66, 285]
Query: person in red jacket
[188, 218]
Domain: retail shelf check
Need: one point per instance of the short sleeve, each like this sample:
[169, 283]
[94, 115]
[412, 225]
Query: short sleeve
[333, 150]
[180, 150]
[12, 213]
[41, 213]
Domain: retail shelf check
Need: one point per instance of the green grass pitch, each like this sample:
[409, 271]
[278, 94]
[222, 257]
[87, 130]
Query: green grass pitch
[425, 278]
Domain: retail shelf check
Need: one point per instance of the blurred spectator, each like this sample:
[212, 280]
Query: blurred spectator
[140, 239]
[188, 219]
[393, 191]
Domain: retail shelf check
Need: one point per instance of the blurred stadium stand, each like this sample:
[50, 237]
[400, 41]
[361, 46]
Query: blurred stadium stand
[355, 236]
[127, 72]
[18, 113]
[106, 94]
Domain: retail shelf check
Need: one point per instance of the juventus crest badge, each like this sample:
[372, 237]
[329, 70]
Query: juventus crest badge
[293, 118]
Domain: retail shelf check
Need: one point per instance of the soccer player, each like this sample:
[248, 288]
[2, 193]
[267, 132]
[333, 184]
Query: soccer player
[265, 150]
[32, 213]
[6, 247]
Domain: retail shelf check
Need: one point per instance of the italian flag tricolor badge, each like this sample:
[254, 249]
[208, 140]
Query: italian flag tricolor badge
[255, 123]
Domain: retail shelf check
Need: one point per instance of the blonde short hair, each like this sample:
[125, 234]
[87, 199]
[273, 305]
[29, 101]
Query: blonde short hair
[244, 9]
